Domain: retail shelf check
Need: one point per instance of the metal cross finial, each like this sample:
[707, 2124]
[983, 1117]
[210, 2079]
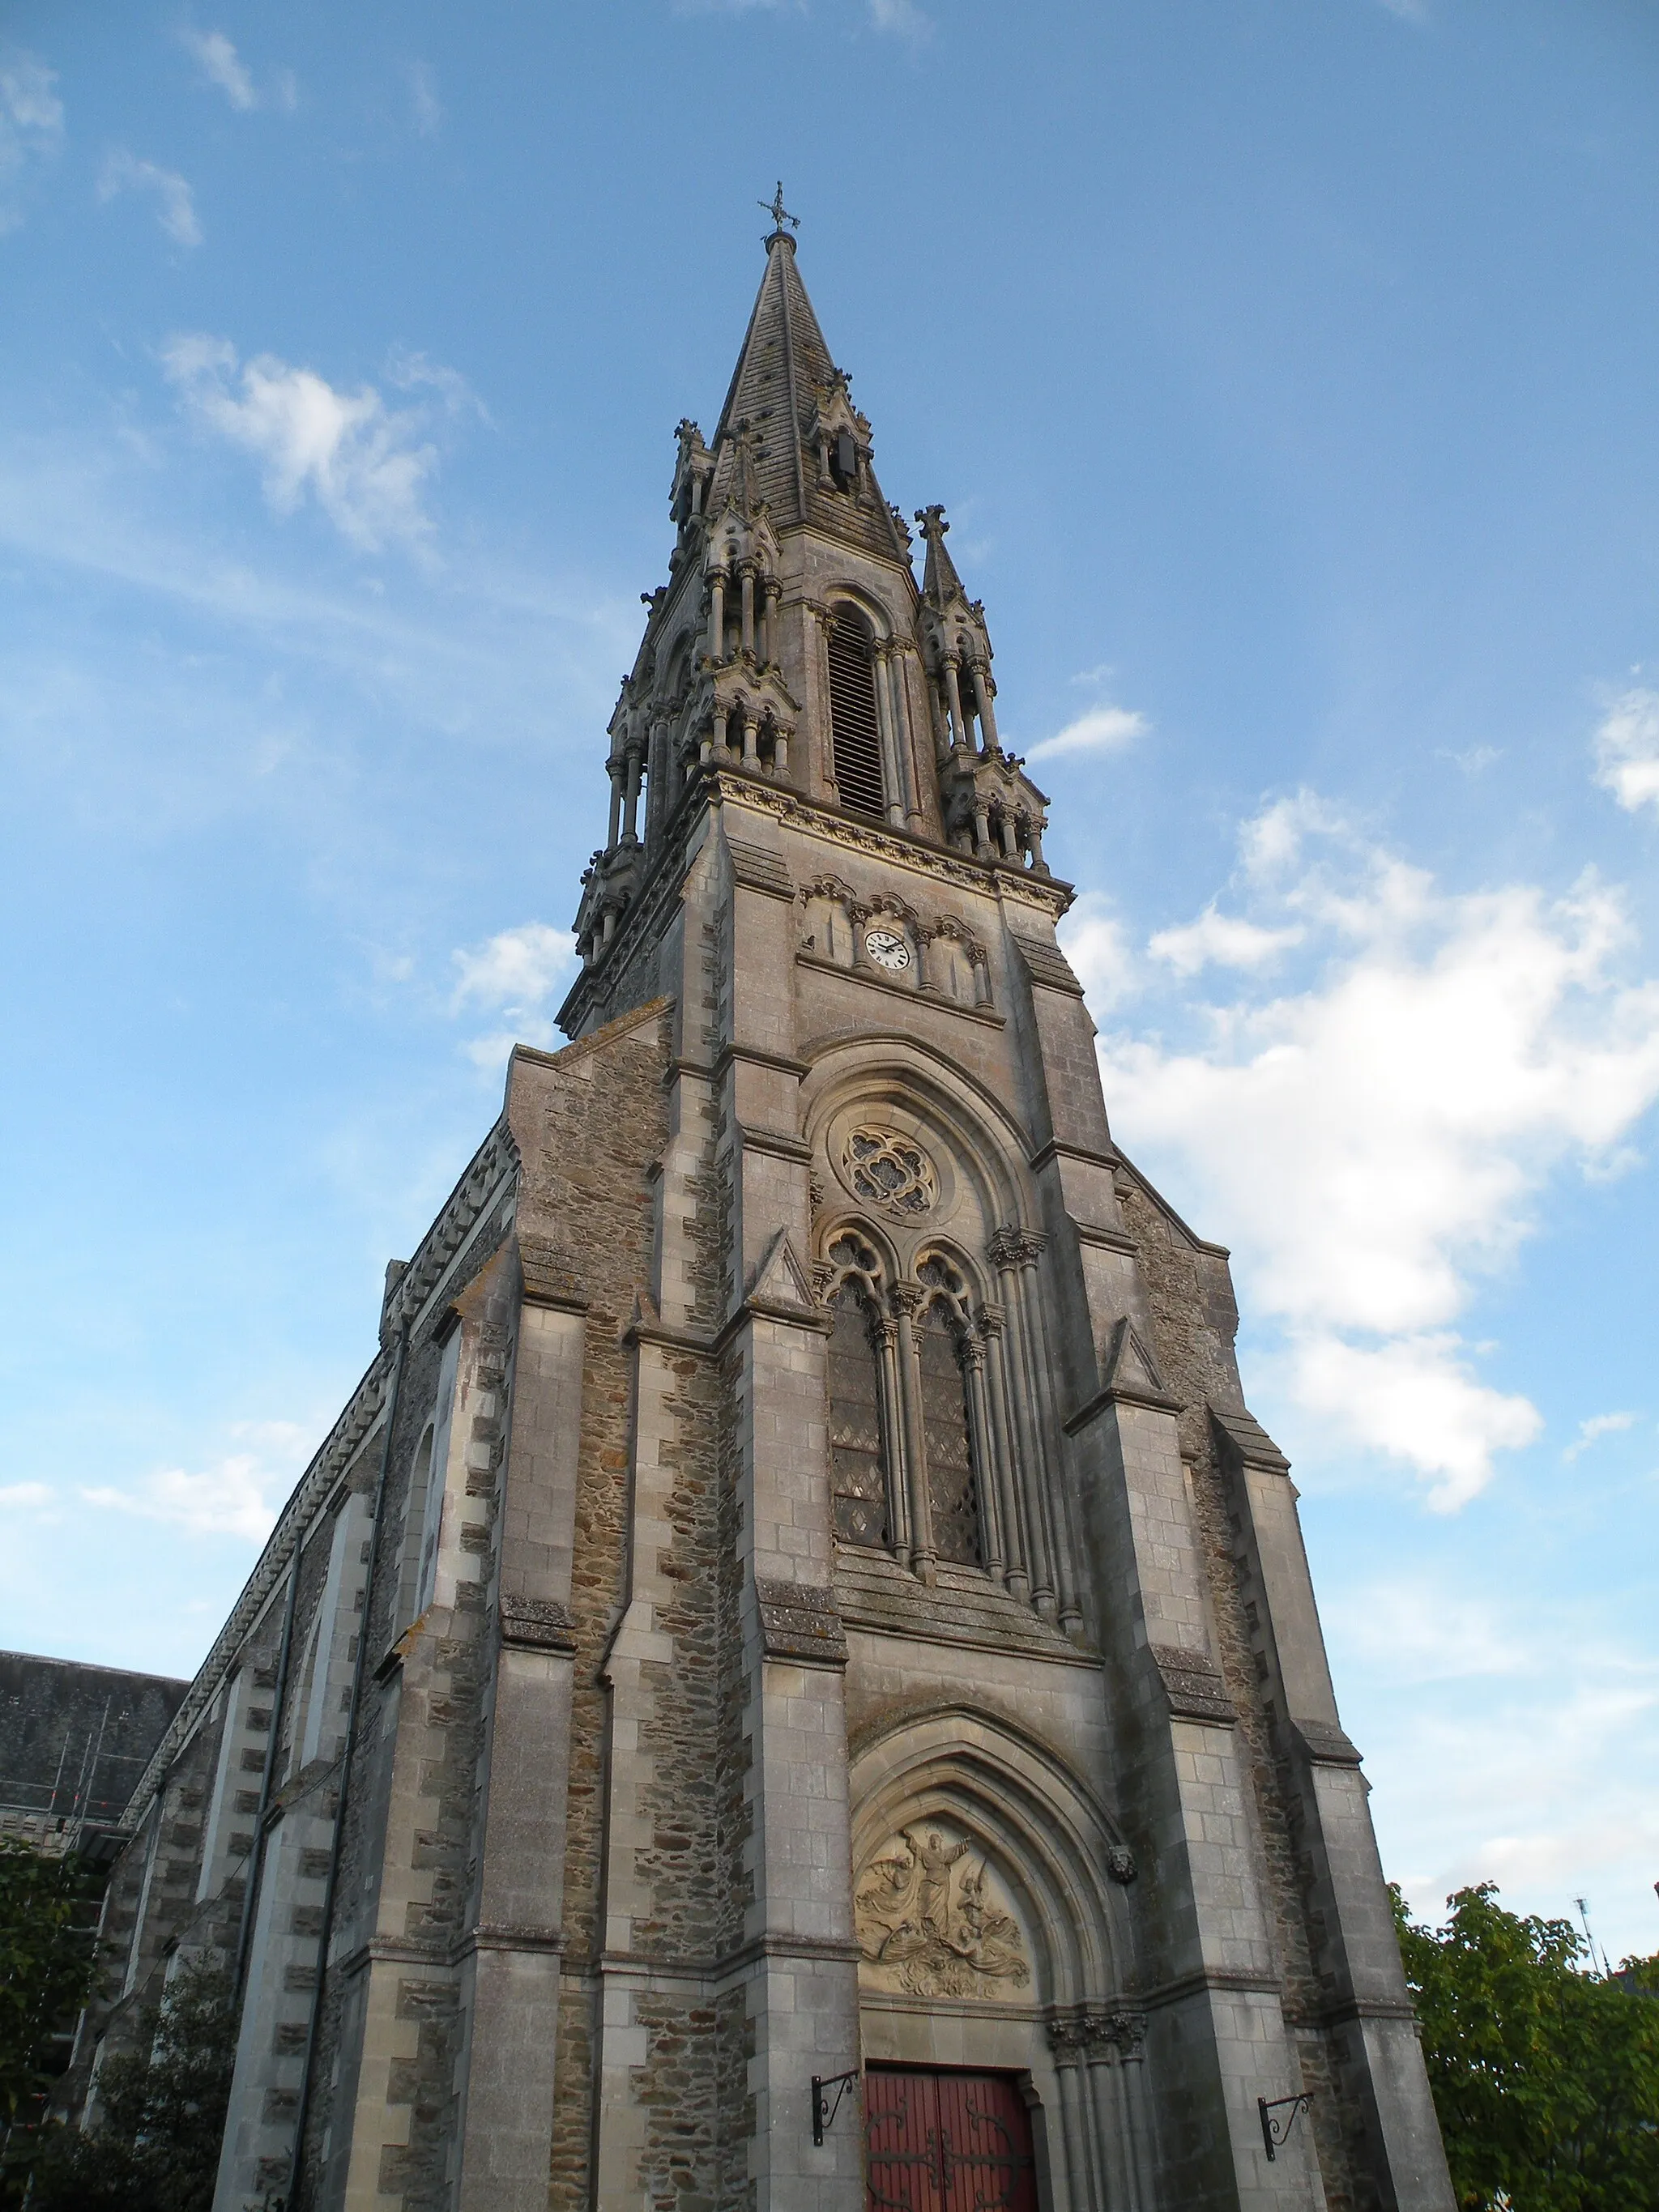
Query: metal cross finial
[780, 214]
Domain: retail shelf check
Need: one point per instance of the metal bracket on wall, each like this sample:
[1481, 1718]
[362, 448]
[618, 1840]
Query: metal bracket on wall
[824, 2107]
[1275, 2132]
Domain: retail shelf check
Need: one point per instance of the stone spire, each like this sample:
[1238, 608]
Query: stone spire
[812, 447]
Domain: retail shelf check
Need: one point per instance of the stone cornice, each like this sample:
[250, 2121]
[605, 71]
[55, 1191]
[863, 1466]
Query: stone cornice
[495, 1159]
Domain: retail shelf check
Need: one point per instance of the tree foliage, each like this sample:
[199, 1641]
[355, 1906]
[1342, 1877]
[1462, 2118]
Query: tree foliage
[48, 1912]
[1546, 2078]
[154, 2144]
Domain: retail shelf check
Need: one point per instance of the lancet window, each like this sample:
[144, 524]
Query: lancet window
[937, 1416]
[855, 731]
[943, 1342]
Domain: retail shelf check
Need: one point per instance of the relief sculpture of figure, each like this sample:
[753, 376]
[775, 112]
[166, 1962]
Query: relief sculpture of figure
[990, 1937]
[883, 1905]
[933, 1897]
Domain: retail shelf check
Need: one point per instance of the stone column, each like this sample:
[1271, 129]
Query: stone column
[988, 720]
[1109, 2038]
[972, 1355]
[903, 737]
[991, 1329]
[889, 767]
[1060, 1522]
[906, 1298]
[1066, 2042]
[747, 576]
[717, 617]
[959, 741]
[893, 1438]
[1006, 1249]
[614, 768]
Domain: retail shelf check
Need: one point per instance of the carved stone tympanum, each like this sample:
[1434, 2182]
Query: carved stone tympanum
[933, 1919]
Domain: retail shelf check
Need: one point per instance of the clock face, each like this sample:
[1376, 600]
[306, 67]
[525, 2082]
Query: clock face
[888, 950]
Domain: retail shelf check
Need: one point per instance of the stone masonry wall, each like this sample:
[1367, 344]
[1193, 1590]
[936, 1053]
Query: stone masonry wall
[587, 1219]
[1193, 1317]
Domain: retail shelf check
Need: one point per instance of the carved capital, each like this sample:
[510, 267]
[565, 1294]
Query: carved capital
[1016, 1248]
[1113, 2034]
[906, 1298]
[992, 1320]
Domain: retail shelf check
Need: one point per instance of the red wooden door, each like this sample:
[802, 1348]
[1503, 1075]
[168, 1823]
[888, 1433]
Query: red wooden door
[946, 2141]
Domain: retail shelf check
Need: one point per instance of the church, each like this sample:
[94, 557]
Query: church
[792, 1684]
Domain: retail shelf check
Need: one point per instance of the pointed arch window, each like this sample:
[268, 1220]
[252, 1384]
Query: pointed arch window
[855, 732]
[948, 1437]
[858, 1453]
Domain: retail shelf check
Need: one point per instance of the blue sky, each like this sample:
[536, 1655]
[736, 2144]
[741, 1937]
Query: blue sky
[1286, 368]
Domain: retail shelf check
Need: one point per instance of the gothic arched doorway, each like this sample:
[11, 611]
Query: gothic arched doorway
[939, 2139]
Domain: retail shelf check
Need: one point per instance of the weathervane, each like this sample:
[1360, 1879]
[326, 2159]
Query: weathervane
[780, 214]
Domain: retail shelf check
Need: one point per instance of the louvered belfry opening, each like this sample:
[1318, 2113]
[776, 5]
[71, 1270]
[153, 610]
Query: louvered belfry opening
[854, 732]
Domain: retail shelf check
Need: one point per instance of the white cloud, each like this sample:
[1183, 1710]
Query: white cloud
[1374, 1141]
[1424, 1632]
[176, 213]
[1102, 730]
[514, 973]
[1221, 940]
[1523, 1750]
[1627, 750]
[901, 17]
[24, 1497]
[1599, 1425]
[424, 104]
[413, 372]
[1097, 946]
[220, 65]
[31, 126]
[238, 1495]
[1418, 1399]
[515, 968]
[1476, 760]
[364, 463]
[490, 1054]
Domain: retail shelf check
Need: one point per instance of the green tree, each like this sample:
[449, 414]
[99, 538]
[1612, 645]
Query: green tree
[1546, 2078]
[48, 1912]
[161, 2110]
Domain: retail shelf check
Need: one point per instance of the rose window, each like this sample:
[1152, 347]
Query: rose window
[890, 1172]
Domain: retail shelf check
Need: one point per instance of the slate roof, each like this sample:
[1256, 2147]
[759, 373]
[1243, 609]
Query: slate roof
[74, 1739]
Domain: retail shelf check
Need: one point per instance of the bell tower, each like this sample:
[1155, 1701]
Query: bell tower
[791, 644]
